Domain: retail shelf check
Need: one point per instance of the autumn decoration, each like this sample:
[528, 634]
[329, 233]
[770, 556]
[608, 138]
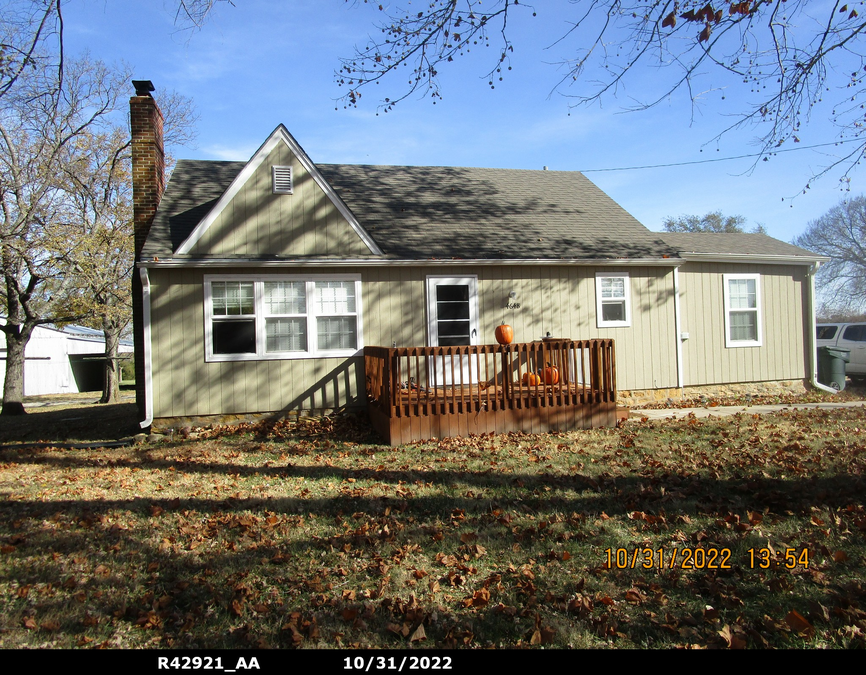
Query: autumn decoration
[551, 375]
[531, 379]
[504, 334]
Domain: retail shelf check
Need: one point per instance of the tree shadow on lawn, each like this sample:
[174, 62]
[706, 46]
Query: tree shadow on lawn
[231, 573]
[669, 495]
[84, 422]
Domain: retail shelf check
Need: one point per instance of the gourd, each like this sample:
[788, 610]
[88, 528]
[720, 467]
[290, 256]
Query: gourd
[504, 334]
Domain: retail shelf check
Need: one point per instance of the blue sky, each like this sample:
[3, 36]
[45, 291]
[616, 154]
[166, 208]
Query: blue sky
[266, 62]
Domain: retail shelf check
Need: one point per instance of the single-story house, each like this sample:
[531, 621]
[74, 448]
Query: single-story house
[279, 284]
[62, 360]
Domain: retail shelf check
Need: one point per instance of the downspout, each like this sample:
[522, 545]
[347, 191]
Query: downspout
[148, 362]
[678, 328]
[813, 331]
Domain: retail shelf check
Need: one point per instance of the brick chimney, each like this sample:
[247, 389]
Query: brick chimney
[148, 183]
[148, 159]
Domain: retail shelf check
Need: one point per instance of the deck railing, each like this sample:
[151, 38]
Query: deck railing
[423, 381]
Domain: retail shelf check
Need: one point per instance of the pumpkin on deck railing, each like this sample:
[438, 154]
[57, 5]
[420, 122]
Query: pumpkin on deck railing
[504, 334]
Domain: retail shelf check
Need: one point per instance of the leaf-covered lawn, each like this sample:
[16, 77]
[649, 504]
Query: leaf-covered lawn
[315, 536]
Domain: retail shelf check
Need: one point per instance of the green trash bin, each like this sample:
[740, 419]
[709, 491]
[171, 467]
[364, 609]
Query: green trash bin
[831, 366]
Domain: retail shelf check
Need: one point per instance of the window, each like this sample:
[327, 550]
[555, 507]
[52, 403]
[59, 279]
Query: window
[856, 333]
[281, 317]
[742, 310]
[612, 299]
[282, 180]
[827, 332]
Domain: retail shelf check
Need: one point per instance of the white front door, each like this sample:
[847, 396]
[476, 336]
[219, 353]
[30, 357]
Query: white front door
[452, 320]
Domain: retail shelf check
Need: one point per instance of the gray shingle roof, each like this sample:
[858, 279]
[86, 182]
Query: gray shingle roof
[450, 212]
[193, 190]
[421, 213]
[732, 243]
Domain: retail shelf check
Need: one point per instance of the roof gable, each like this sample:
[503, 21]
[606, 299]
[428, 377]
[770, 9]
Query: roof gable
[249, 219]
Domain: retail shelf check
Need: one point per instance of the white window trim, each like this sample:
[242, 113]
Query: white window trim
[313, 352]
[600, 322]
[729, 343]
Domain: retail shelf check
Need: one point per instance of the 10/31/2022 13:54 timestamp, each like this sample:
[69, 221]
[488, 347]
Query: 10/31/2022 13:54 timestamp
[699, 558]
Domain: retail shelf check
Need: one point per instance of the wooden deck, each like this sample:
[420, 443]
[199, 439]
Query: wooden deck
[419, 393]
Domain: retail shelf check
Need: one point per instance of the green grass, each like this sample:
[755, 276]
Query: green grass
[314, 536]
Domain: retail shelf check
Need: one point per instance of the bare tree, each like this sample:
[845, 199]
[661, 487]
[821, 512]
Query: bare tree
[31, 41]
[39, 134]
[711, 222]
[97, 241]
[784, 56]
[840, 234]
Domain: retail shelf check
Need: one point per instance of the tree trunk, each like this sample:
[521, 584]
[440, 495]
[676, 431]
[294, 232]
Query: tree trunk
[111, 380]
[13, 389]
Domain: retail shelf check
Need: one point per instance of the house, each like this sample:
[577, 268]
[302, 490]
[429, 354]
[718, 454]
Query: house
[279, 285]
[62, 360]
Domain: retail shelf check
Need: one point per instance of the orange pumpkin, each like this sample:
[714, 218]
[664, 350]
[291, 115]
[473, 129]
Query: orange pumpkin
[504, 334]
[551, 375]
[531, 379]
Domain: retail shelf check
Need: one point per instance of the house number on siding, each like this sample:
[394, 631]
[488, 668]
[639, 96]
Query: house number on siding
[512, 305]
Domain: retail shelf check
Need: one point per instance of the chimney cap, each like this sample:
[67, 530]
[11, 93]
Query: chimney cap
[143, 87]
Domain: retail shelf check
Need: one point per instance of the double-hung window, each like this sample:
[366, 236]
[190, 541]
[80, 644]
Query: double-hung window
[742, 310]
[612, 299]
[281, 317]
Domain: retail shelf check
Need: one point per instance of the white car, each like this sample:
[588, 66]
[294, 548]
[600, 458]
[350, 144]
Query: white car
[846, 336]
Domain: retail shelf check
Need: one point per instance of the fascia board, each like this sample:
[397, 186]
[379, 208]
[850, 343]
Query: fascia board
[279, 135]
[752, 258]
[156, 263]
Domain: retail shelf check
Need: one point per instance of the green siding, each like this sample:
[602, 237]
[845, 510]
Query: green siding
[782, 354]
[558, 299]
[300, 224]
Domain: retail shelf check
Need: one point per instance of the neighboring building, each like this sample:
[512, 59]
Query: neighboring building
[62, 360]
[263, 281]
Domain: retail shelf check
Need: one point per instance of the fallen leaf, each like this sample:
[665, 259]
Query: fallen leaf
[798, 623]
[419, 634]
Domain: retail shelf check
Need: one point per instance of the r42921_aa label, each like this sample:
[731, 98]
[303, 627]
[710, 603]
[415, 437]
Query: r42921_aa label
[205, 663]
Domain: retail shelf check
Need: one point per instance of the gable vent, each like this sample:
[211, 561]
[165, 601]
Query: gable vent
[282, 180]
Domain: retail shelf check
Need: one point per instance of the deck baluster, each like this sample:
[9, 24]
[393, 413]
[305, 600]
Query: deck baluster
[489, 398]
